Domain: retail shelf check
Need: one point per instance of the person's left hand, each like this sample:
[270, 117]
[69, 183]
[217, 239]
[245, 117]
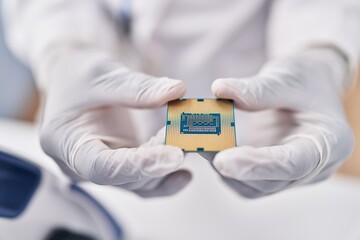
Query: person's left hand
[306, 89]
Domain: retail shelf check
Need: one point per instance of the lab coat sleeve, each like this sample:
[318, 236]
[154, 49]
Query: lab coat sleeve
[36, 28]
[298, 24]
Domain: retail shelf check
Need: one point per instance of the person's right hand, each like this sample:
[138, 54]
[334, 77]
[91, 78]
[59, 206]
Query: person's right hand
[78, 131]
[73, 49]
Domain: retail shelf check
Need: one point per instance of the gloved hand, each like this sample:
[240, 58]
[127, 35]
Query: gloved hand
[75, 55]
[313, 136]
[86, 92]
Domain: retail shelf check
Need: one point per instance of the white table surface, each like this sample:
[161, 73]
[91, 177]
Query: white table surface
[207, 209]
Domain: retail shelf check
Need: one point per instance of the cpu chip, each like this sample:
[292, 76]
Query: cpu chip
[201, 125]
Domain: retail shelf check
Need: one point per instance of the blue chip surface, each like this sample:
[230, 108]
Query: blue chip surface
[200, 123]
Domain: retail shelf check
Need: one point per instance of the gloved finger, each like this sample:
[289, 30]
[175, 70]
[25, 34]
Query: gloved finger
[243, 188]
[292, 161]
[132, 186]
[253, 188]
[167, 185]
[94, 161]
[268, 187]
[327, 172]
[138, 90]
[162, 186]
[257, 93]
[158, 139]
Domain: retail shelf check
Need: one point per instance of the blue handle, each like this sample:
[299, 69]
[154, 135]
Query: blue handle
[18, 183]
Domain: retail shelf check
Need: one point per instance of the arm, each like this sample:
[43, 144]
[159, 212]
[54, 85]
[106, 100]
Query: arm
[71, 47]
[38, 30]
[298, 25]
[314, 51]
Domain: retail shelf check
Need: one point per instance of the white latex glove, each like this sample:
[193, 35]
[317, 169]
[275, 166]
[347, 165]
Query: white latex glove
[313, 136]
[74, 50]
[85, 87]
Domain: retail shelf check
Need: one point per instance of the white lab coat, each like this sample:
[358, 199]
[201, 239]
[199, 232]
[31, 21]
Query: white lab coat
[195, 41]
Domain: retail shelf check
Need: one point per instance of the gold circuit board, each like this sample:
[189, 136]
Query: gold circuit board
[201, 125]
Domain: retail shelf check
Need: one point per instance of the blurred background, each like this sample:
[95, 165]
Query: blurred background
[19, 100]
[18, 97]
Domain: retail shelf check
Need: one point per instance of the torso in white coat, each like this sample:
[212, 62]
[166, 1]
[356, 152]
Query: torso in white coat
[197, 42]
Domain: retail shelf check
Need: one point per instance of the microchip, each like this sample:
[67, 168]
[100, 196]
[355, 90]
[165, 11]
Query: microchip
[201, 124]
